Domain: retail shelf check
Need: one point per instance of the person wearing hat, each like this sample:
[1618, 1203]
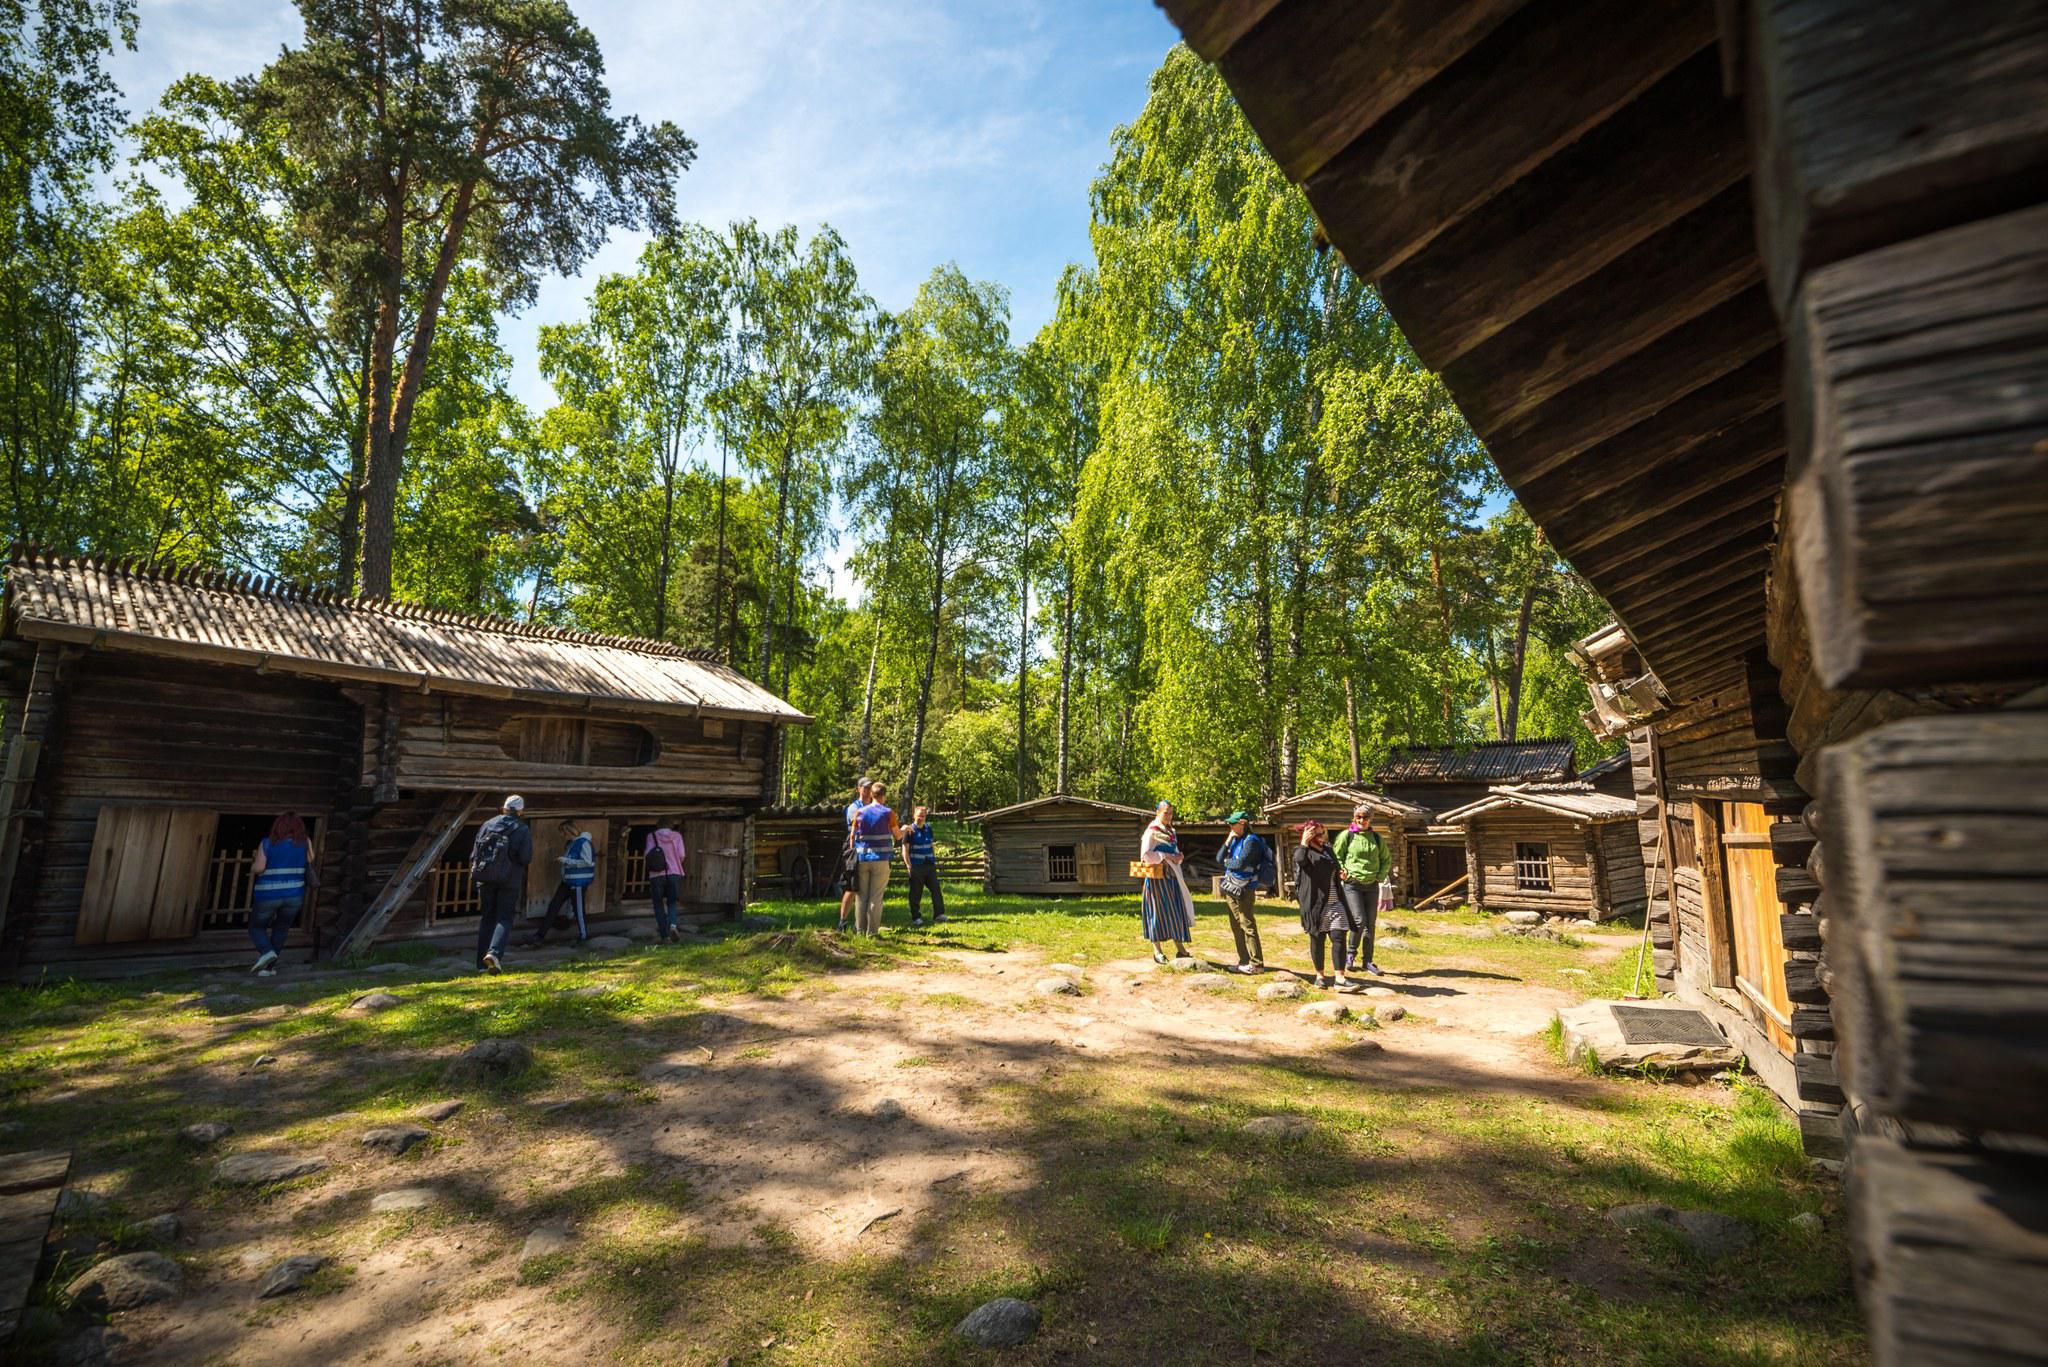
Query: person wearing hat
[497, 869]
[1245, 859]
[1363, 859]
[849, 862]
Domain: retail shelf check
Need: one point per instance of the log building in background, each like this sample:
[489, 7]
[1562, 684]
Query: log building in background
[158, 719]
[1749, 303]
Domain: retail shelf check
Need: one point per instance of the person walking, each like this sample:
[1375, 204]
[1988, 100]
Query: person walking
[921, 862]
[665, 854]
[281, 870]
[1245, 859]
[497, 869]
[578, 861]
[1363, 859]
[1322, 913]
[849, 866]
[1165, 909]
[875, 832]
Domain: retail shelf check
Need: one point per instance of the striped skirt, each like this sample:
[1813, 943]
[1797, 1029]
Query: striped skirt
[1165, 910]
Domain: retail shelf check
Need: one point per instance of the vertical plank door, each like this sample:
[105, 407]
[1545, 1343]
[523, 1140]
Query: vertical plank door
[711, 863]
[1753, 910]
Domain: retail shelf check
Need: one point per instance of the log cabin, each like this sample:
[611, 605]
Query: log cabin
[1749, 303]
[1564, 849]
[1403, 825]
[797, 850]
[1062, 847]
[158, 718]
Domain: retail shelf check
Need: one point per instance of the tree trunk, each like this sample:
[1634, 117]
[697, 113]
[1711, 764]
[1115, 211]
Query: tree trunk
[1066, 672]
[931, 656]
[668, 524]
[718, 644]
[1500, 720]
[349, 544]
[1443, 607]
[1516, 659]
[380, 462]
[781, 525]
[1263, 646]
[867, 706]
[1024, 660]
[1351, 726]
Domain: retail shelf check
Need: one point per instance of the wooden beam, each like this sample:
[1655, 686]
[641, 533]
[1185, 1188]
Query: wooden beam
[1488, 119]
[1799, 930]
[1212, 27]
[1710, 519]
[1661, 284]
[1735, 343]
[1920, 460]
[1706, 825]
[1879, 123]
[426, 849]
[1937, 840]
[1312, 75]
[1815, 1080]
[1656, 160]
[1645, 481]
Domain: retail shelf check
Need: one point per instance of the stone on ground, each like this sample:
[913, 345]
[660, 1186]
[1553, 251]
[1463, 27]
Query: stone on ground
[205, 1134]
[375, 1001]
[126, 1282]
[1808, 1223]
[1189, 964]
[1584, 924]
[394, 1139]
[1057, 986]
[1707, 1233]
[290, 1275]
[1379, 992]
[1362, 1046]
[263, 1166]
[1390, 1013]
[1390, 942]
[403, 1198]
[673, 1072]
[489, 1060]
[1331, 1012]
[608, 942]
[1525, 918]
[1286, 990]
[1278, 1126]
[552, 1237]
[1210, 983]
[441, 1110]
[1068, 970]
[160, 1229]
[76, 1203]
[1590, 1029]
[887, 1109]
[1001, 1323]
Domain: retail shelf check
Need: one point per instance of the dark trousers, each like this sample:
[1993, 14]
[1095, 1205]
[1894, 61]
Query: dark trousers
[567, 898]
[924, 876]
[1244, 925]
[1362, 910]
[1337, 939]
[498, 905]
[665, 890]
[270, 922]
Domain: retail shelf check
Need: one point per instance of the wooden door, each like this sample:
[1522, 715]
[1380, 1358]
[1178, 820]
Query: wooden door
[1755, 938]
[1091, 865]
[545, 872]
[712, 871]
[146, 874]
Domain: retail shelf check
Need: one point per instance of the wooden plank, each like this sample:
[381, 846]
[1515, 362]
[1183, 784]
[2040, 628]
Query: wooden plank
[1816, 1081]
[1938, 951]
[33, 1170]
[188, 850]
[1700, 261]
[1656, 160]
[1878, 123]
[426, 850]
[1314, 74]
[1706, 818]
[1212, 27]
[1483, 123]
[1799, 930]
[1643, 484]
[1950, 1252]
[1920, 463]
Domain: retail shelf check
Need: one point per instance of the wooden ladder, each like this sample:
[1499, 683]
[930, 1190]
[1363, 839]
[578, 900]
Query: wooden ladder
[425, 852]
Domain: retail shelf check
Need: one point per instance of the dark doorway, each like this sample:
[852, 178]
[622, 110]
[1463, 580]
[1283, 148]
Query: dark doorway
[1437, 867]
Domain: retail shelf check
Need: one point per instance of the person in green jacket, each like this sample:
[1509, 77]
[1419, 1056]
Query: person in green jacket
[1363, 860]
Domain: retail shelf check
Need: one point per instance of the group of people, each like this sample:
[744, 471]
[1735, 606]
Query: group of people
[874, 835]
[1340, 886]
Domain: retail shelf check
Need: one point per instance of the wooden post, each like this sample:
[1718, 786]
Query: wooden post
[1596, 869]
[1475, 871]
[1706, 819]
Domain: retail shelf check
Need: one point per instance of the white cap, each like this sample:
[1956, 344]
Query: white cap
[515, 803]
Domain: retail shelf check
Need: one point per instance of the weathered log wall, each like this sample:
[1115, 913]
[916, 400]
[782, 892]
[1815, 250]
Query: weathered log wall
[1571, 863]
[1016, 849]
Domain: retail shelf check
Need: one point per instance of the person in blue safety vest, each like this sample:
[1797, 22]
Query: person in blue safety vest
[921, 860]
[578, 861]
[875, 832]
[283, 872]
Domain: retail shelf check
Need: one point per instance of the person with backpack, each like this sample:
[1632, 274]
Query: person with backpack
[921, 862]
[1247, 865]
[578, 861]
[282, 872]
[875, 833]
[497, 869]
[849, 866]
[1363, 859]
[665, 878]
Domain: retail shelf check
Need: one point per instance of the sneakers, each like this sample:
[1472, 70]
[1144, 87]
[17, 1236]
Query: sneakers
[917, 923]
[1322, 981]
[1158, 957]
[1374, 969]
[491, 964]
[263, 961]
[1343, 983]
[939, 919]
[1246, 968]
[266, 973]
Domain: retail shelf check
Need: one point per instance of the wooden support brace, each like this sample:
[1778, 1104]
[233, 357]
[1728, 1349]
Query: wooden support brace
[425, 852]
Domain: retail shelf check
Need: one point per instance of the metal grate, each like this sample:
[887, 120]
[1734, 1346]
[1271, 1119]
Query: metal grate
[1662, 1025]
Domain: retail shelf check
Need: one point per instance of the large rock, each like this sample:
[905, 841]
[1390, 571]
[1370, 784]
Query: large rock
[1278, 1126]
[290, 1275]
[553, 1237]
[263, 1166]
[441, 1110]
[1590, 1031]
[1285, 990]
[1057, 986]
[886, 1110]
[673, 1072]
[1001, 1323]
[375, 1001]
[1379, 992]
[205, 1134]
[1330, 1012]
[1390, 1013]
[394, 1139]
[489, 1060]
[1525, 918]
[1213, 982]
[403, 1199]
[126, 1282]
[159, 1229]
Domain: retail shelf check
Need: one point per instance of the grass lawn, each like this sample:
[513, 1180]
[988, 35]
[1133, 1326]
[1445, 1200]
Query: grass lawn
[1448, 1210]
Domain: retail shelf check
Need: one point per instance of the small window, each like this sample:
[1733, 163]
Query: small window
[1060, 864]
[1532, 866]
[1684, 844]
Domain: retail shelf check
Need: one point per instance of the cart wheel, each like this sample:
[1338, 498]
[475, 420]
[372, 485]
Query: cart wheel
[803, 884]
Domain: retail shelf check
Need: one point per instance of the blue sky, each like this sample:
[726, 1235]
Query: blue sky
[923, 131]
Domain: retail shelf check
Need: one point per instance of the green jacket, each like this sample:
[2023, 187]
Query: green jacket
[1364, 856]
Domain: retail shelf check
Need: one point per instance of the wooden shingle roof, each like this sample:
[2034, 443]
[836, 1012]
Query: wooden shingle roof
[1575, 800]
[1486, 761]
[1347, 796]
[1037, 803]
[239, 619]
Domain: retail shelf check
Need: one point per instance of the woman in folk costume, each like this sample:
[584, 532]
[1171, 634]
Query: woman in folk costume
[1166, 908]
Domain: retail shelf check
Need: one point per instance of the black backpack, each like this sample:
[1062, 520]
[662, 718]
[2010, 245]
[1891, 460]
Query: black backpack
[657, 860]
[491, 860]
